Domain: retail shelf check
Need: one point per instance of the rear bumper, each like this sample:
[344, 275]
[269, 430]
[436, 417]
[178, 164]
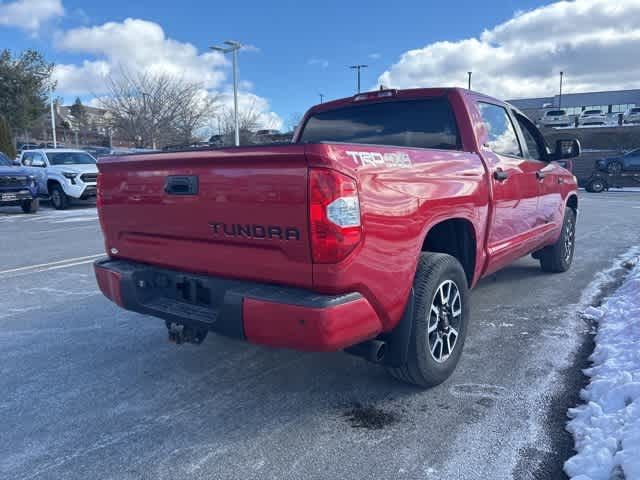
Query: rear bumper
[260, 313]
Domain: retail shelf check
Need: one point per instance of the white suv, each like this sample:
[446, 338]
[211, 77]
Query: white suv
[592, 117]
[62, 174]
[632, 115]
[555, 118]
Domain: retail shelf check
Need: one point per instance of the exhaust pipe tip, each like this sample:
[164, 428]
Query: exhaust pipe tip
[373, 350]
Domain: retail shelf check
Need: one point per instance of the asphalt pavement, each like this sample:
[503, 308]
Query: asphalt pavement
[88, 390]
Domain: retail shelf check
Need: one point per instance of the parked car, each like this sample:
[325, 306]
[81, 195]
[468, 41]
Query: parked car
[629, 162]
[97, 151]
[62, 175]
[17, 186]
[592, 117]
[555, 118]
[365, 234]
[632, 116]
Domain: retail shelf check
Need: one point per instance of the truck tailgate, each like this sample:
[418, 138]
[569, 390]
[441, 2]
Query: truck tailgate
[238, 213]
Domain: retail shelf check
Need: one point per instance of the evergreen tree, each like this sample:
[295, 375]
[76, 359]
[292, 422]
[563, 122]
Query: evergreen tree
[6, 144]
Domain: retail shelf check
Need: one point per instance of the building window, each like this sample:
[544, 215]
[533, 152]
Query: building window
[622, 107]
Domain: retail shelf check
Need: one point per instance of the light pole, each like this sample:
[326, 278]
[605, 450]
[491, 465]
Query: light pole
[321, 97]
[53, 116]
[469, 82]
[358, 68]
[45, 75]
[153, 120]
[560, 97]
[233, 47]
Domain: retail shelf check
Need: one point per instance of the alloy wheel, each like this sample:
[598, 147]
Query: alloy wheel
[445, 319]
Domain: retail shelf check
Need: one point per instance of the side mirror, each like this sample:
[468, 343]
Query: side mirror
[16, 163]
[567, 148]
[38, 163]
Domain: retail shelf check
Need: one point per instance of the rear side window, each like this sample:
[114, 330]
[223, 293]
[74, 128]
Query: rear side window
[427, 123]
[502, 136]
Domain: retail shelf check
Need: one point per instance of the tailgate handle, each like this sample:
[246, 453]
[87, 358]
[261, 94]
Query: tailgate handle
[181, 185]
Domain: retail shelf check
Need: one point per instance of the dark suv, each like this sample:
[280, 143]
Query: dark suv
[629, 162]
[17, 187]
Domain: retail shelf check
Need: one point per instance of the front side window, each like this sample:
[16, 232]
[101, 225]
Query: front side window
[531, 138]
[426, 123]
[502, 137]
[70, 158]
[27, 158]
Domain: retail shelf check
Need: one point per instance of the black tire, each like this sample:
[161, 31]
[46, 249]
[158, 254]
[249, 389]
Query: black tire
[596, 186]
[59, 199]
[614, 168]
[30, 206]
[422, 368]
[557, 258]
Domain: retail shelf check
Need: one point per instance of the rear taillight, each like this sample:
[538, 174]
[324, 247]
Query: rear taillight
[334, 215]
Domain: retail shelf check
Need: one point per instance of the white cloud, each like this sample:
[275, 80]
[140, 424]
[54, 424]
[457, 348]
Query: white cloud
[29, 14]
[136, 45]
[595, 42]
[248, 101]
[133, 45]
[319, 61]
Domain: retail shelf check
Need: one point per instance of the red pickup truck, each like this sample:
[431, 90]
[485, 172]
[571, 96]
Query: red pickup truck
[364, 234]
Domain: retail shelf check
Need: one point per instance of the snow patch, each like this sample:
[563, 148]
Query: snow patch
[606, 428]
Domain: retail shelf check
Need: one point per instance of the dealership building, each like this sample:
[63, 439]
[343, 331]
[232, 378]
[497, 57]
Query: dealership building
[612, 103]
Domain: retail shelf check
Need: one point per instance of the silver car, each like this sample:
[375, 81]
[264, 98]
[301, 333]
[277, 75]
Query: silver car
[632, 116]
[555, 118]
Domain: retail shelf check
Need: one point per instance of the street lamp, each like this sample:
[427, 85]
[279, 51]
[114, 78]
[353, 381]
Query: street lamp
[469, 82]
[53, 115]
[233, 48]
[321, 97]
[560, 97]
[358, 68]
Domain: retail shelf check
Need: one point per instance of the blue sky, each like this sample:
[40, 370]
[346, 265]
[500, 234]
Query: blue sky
[304, 48]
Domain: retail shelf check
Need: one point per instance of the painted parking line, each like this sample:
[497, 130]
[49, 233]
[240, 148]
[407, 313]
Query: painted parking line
[42, 267]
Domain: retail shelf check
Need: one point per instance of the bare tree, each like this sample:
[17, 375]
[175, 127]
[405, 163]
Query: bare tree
[157, 110]
[248, 122]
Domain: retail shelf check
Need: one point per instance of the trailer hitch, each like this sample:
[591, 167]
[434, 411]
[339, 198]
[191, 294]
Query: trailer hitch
[180, 333]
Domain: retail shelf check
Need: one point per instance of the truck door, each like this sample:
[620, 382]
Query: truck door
[515, 188]
[547, 174]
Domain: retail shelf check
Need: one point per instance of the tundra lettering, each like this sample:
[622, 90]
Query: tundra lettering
[271, 232]
[374, 224]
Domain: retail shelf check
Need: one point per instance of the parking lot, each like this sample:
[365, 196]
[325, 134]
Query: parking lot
[92, 391]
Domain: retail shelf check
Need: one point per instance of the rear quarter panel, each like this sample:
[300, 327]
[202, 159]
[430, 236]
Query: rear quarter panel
[399, 205]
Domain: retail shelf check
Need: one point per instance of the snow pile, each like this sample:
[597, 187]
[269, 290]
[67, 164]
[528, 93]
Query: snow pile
[606, 428]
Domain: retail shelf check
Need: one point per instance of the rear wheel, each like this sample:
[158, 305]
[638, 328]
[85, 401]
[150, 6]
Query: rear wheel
[30, 206]
[439, 325]
[596, 186]
[557, 258]
[59, 199]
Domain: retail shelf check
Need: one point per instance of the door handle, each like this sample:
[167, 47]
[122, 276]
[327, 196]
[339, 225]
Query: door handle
[181, 185]
[500, 175]
[540, 174]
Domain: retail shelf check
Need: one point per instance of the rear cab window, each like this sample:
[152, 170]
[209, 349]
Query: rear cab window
[556, 113]
[421, 123]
